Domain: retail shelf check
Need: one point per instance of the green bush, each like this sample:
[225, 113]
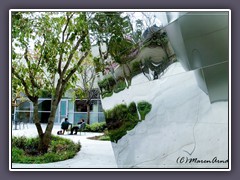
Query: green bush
[107, 84]
[106, 94]
[96, 127]
[25, 150]
[122, 118]
[120, 86]
[132, 108]
[111, 81]
[136, 68]
[144, 108]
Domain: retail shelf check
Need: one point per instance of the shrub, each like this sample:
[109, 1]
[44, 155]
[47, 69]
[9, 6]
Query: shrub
[124, 118]
[24, 150]
[96, 127]
[120, 86]
[121, 119]
[19, 142]
[17, 154]
[111, 81]
[107, 94]
[144, 108]
[133, 115]
[136, 68]
[107, 84]
[132, 108]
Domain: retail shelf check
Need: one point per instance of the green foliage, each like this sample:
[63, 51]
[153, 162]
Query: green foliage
[124, 118]
[99, 66]
[107, 94]
[96, 127]
[52, 34]
[107, 84]
[104, 138]
[47, 50]
[132, 108]
[136, 68]
[119, 48]
[144, 108]
[120, 86]
[120, 119]
[17, 154]
[24, 150]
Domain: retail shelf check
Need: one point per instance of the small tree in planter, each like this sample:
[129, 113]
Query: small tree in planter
[86, 89]
[47, 50]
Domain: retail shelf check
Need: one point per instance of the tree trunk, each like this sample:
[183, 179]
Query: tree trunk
[36, 118]
[88, 113]
[45, 139]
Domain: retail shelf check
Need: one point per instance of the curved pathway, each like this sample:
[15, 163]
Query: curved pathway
[93, 153]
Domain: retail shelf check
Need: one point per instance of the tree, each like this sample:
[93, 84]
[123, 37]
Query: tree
[85, 89]
[106, 28]
[47, 50]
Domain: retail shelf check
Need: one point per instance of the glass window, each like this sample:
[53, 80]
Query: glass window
[23, 116]
[100, 108]
[44, 105]
[79, 116]
[94, 105]
[23, 106]
[43, 116]
[81, 106]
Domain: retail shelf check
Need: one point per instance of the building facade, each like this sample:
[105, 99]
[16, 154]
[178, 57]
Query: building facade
[73, 109]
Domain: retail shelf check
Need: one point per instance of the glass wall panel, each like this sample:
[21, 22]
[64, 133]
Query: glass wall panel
[22, 116]
[44, 105]
[71, 111]
[80, 106]
[93, 117]
[101, 117]
[79, 116]
[43, 116]
[100, 109]
[94, 105]
[24, 106]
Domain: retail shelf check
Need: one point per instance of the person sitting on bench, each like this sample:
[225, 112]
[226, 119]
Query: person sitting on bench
[76, 128]
[65, 125]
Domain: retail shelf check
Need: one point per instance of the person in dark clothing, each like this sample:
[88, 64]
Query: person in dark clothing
[65, 125]
[76, 128]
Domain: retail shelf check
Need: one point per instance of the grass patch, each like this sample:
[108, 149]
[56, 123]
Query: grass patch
[25, 150]
[101, 138]
[104, 137]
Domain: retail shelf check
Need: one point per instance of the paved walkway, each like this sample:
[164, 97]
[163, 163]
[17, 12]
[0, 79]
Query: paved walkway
[93, 153]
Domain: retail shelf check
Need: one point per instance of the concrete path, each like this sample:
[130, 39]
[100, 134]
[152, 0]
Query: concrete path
[93, 153]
